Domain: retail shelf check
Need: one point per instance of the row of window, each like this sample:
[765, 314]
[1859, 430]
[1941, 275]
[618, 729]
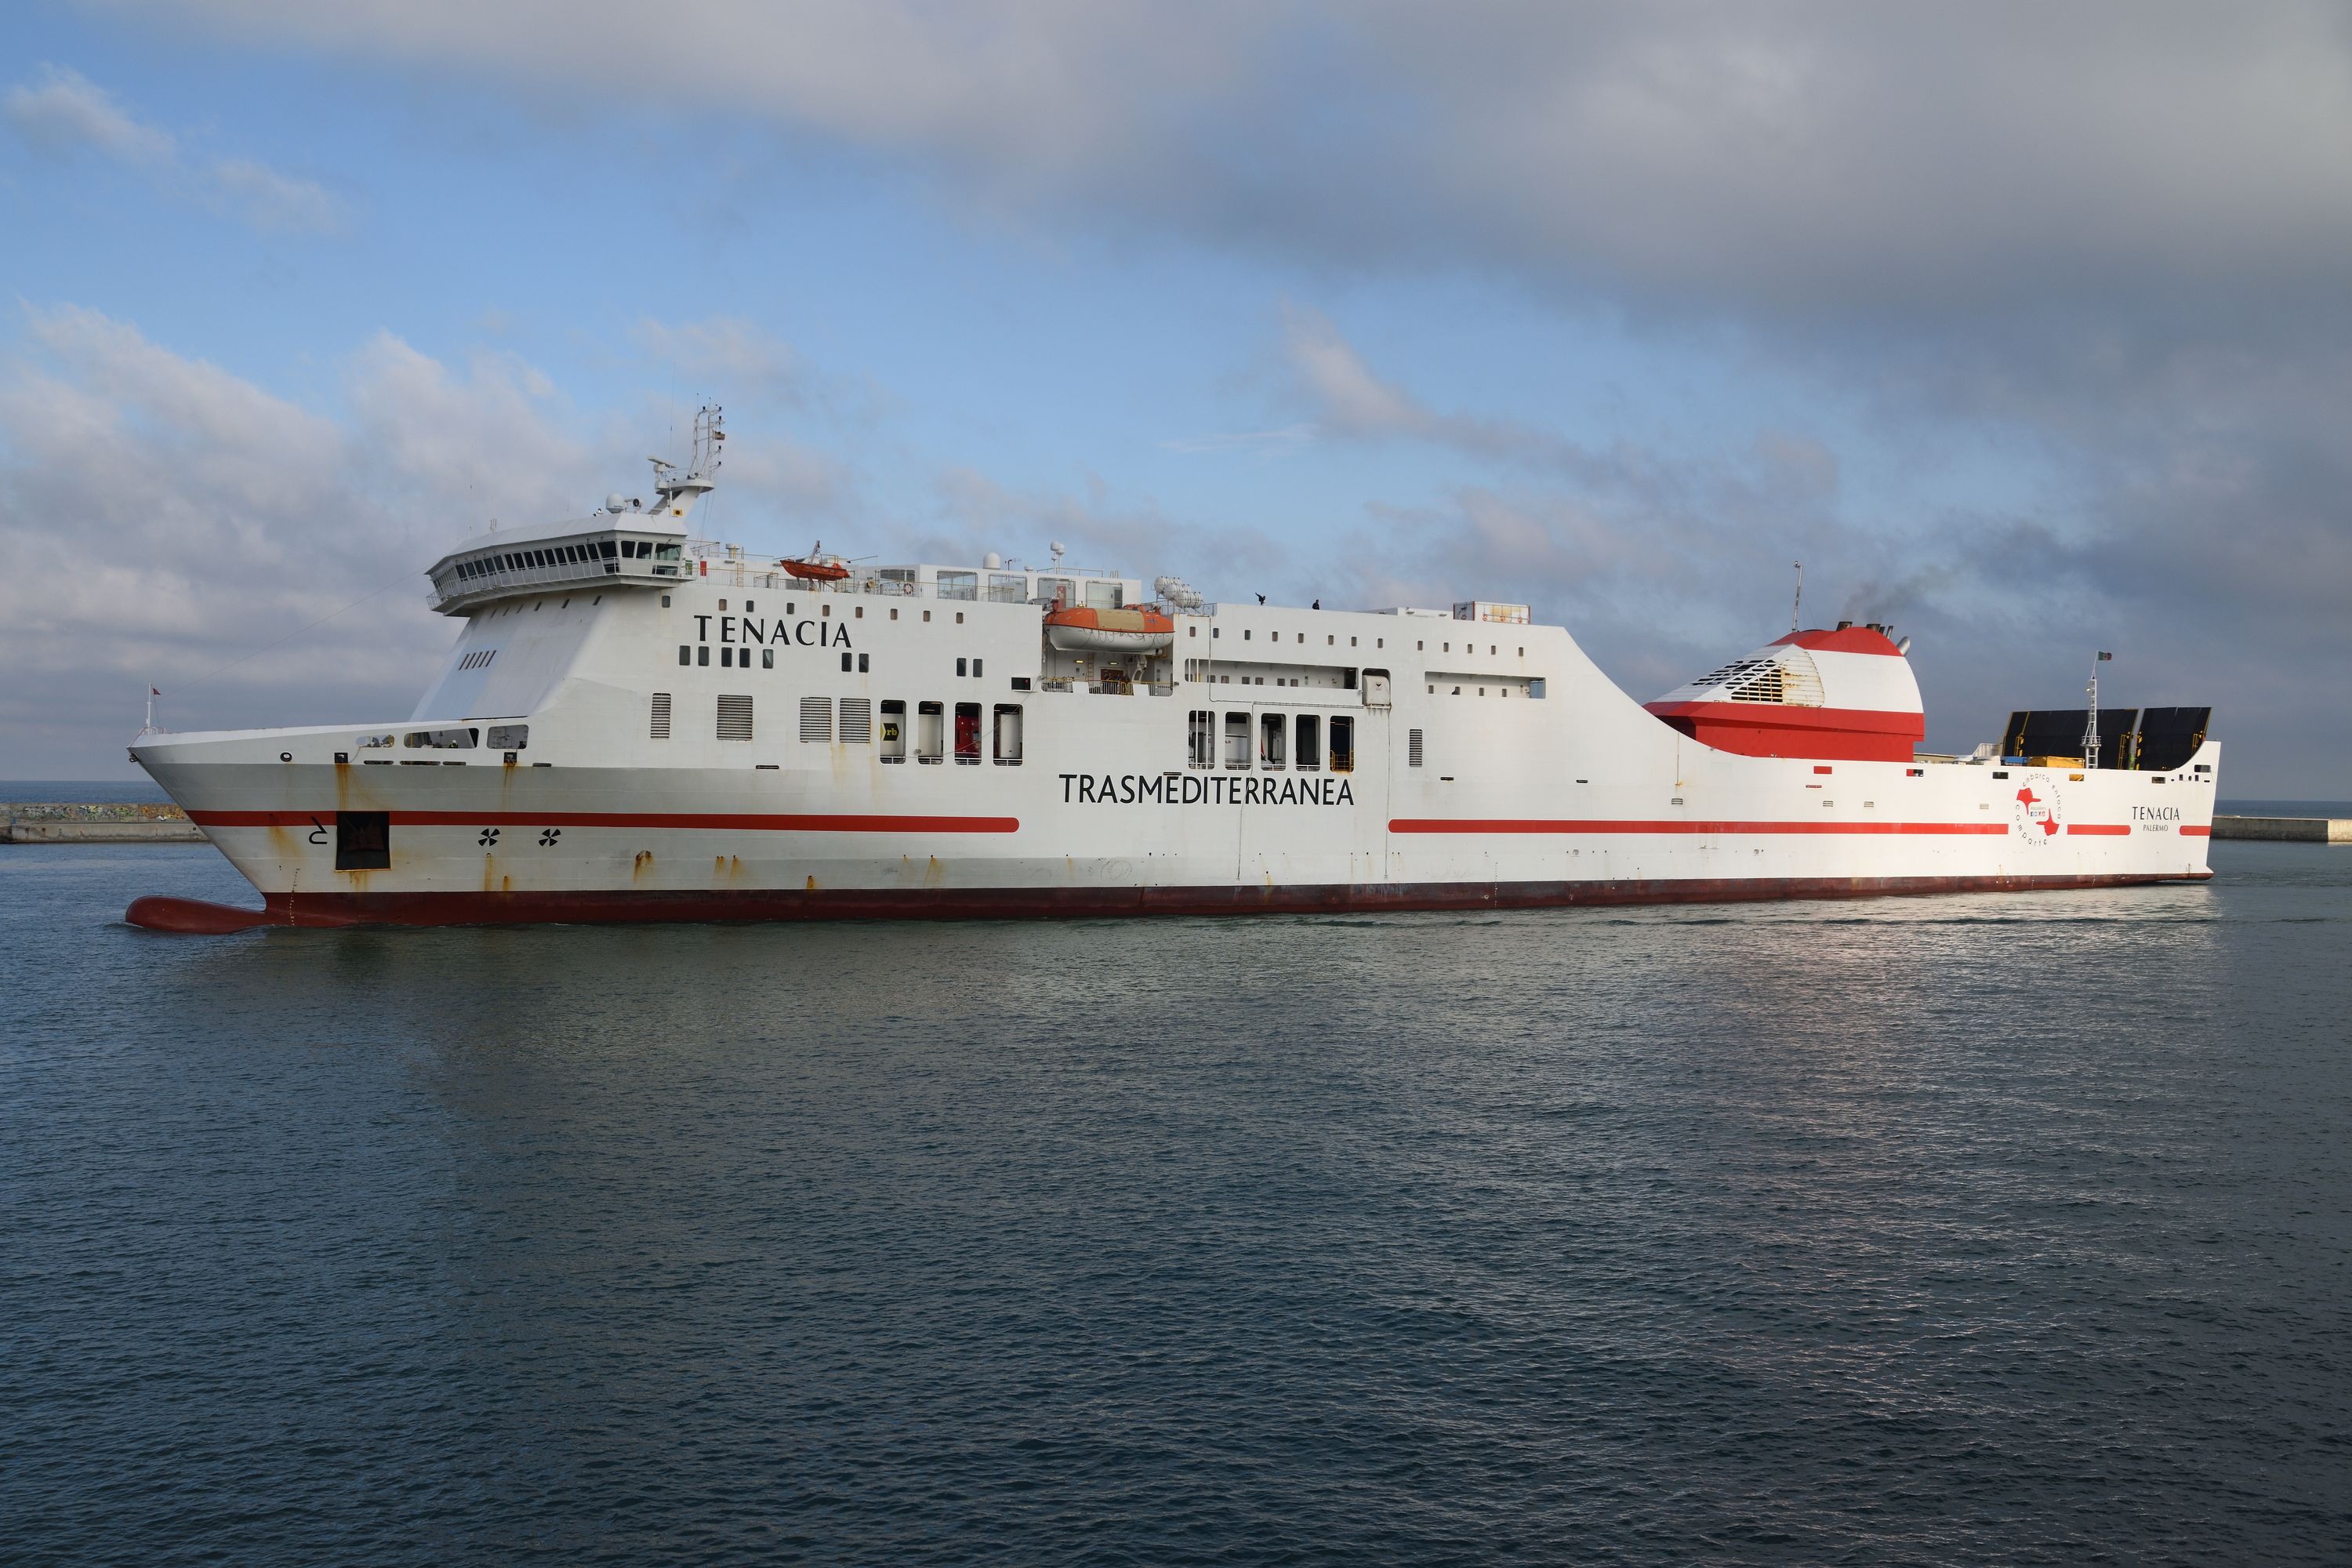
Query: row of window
[503, 738]
[740, 658]
[579, 554]
[1282, 741]
[929, 738]
[1330, 640]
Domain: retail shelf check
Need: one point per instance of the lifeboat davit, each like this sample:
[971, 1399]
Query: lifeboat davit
[1083, 630]
[1842, 695]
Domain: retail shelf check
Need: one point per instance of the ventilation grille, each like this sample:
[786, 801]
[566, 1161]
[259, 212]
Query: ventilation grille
[1413, 748]
[661, 716]
[856, 721]
[816, 718]
[734, 718]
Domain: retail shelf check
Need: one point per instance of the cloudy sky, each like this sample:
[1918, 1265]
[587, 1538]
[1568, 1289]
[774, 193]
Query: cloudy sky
[2026, 326]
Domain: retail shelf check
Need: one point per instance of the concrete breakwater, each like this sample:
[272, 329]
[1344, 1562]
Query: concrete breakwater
[2287, 829]
[81, 821]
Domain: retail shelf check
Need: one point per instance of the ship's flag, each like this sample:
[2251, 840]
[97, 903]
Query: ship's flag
[152, 693]
[2106, 656]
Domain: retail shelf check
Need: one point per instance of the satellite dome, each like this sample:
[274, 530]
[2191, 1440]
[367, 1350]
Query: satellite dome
[617, 501]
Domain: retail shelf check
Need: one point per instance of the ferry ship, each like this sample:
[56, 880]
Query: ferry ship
[636, 724]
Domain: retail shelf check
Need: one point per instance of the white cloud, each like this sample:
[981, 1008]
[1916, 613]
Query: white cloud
[178, 516]
[724, 350]
[1826, 155]
[66, 114]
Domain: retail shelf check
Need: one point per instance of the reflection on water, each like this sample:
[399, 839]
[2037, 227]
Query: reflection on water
[1898, 1228]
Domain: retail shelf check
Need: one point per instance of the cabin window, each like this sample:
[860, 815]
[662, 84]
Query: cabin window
[1008, 735]
[1201, 739]
[894, 732]
[1271, 734]
[959, 585]
[856, 722]
[894, 612]
[363, 840]
[767, 659]
[1246, 634]
[1343, 744]
[959, 664]
[1308, 755]
[702, 654]
[509, 737]
[725, 657]
[967, 735]
[816, 720]
[1413, 748]
[931, 738]
[441, 740]
[859, 613]
[844, 664]
[1237, 740]
[659, 729]
[863, 668]
[975, 669]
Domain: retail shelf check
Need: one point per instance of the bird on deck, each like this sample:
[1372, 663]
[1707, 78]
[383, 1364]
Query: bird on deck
[1261, 598]
[1315, 606]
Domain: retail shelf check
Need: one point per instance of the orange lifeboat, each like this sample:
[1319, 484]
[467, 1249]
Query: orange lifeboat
[1083, 630]
[815, 571]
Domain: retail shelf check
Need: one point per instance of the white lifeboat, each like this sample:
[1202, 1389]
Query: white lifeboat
[1080, 629]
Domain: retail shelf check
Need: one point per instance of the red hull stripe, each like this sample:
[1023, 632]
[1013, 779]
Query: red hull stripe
[189, 916]
[740, 822]
[2197, 833]
[1510, 825]
[2101, 829]
[1911, 724]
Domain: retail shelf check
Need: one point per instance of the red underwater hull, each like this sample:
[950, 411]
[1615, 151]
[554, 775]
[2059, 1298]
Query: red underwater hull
[198, 917]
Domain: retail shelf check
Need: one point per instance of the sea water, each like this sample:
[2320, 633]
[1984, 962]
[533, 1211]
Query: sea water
[2004, 1226]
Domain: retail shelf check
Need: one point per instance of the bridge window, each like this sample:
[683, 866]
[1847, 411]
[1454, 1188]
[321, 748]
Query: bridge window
[1343, 744]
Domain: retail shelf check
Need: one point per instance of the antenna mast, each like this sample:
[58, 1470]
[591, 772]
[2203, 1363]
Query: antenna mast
[1797, 605]
[2090, 721]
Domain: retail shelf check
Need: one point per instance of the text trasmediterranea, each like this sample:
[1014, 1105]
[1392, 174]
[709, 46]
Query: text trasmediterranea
[1202, 789]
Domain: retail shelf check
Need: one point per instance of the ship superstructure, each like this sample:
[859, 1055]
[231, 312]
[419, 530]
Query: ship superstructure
[637, 723]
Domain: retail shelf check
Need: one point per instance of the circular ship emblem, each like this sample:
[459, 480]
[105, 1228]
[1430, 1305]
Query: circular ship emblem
[2037, 814]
